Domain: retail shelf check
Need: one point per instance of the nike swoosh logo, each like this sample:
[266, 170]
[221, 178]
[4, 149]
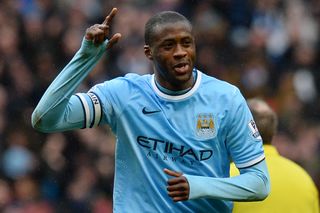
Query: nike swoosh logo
[146, 112]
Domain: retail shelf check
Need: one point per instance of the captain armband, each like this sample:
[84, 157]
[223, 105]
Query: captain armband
[93, 115]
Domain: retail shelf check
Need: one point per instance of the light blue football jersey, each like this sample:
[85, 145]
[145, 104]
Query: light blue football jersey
[196, 133]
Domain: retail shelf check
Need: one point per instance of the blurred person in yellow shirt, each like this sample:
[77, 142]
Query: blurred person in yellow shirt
[292, 189]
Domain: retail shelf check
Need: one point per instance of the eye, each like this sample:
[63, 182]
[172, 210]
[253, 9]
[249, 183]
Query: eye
[167, 45]
[187, 43]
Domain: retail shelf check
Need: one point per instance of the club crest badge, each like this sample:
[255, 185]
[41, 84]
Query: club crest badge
[205, 127]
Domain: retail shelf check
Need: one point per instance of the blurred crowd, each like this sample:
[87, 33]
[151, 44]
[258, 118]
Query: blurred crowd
[268, 48]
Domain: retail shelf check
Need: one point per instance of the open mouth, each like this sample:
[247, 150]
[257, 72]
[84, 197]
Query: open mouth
[181, 68]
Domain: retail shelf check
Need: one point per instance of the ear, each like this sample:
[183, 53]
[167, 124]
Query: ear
[148, 52]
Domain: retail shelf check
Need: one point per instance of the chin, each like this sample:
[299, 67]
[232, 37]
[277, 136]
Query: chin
[184, 81]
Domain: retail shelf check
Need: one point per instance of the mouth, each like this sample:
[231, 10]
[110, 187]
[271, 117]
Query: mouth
[181, 68]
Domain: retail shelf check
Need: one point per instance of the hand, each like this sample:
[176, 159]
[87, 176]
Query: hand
[178, 187]
[99, 32]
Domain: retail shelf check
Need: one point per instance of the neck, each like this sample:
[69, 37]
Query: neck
[168, 89]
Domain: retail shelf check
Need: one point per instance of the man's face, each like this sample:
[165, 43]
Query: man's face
[173, 54]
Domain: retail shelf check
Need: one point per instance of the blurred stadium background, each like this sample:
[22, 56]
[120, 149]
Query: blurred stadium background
[268, 48]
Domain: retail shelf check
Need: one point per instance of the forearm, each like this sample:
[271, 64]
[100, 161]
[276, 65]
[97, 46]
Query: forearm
[53, 106]
[253, 184]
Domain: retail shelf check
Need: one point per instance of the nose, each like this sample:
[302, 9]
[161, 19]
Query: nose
[179, 52]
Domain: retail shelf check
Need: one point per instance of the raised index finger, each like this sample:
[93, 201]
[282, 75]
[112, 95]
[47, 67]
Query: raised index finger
[109, 17]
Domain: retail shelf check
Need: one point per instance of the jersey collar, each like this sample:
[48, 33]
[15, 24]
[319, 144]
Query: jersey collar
[177, 97]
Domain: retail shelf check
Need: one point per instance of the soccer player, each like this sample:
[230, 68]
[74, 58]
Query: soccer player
[176, 129]
[292, 189]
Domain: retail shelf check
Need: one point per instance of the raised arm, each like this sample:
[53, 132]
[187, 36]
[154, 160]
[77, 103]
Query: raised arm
[59, 109]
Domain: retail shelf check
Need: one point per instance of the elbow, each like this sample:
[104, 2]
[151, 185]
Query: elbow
[263, 190]
[260, 189]
[263, 185]
[37, 122]
[258, 194]
[263, 193]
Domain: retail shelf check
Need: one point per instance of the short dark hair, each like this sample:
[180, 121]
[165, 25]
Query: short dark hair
[265, 118]
[161, 18]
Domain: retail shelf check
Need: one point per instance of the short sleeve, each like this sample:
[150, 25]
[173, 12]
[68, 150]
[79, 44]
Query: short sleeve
[244, 142]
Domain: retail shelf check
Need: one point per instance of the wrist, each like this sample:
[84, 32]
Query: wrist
[88, 46]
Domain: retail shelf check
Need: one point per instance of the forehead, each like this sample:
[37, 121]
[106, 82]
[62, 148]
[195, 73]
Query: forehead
[172, 30]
